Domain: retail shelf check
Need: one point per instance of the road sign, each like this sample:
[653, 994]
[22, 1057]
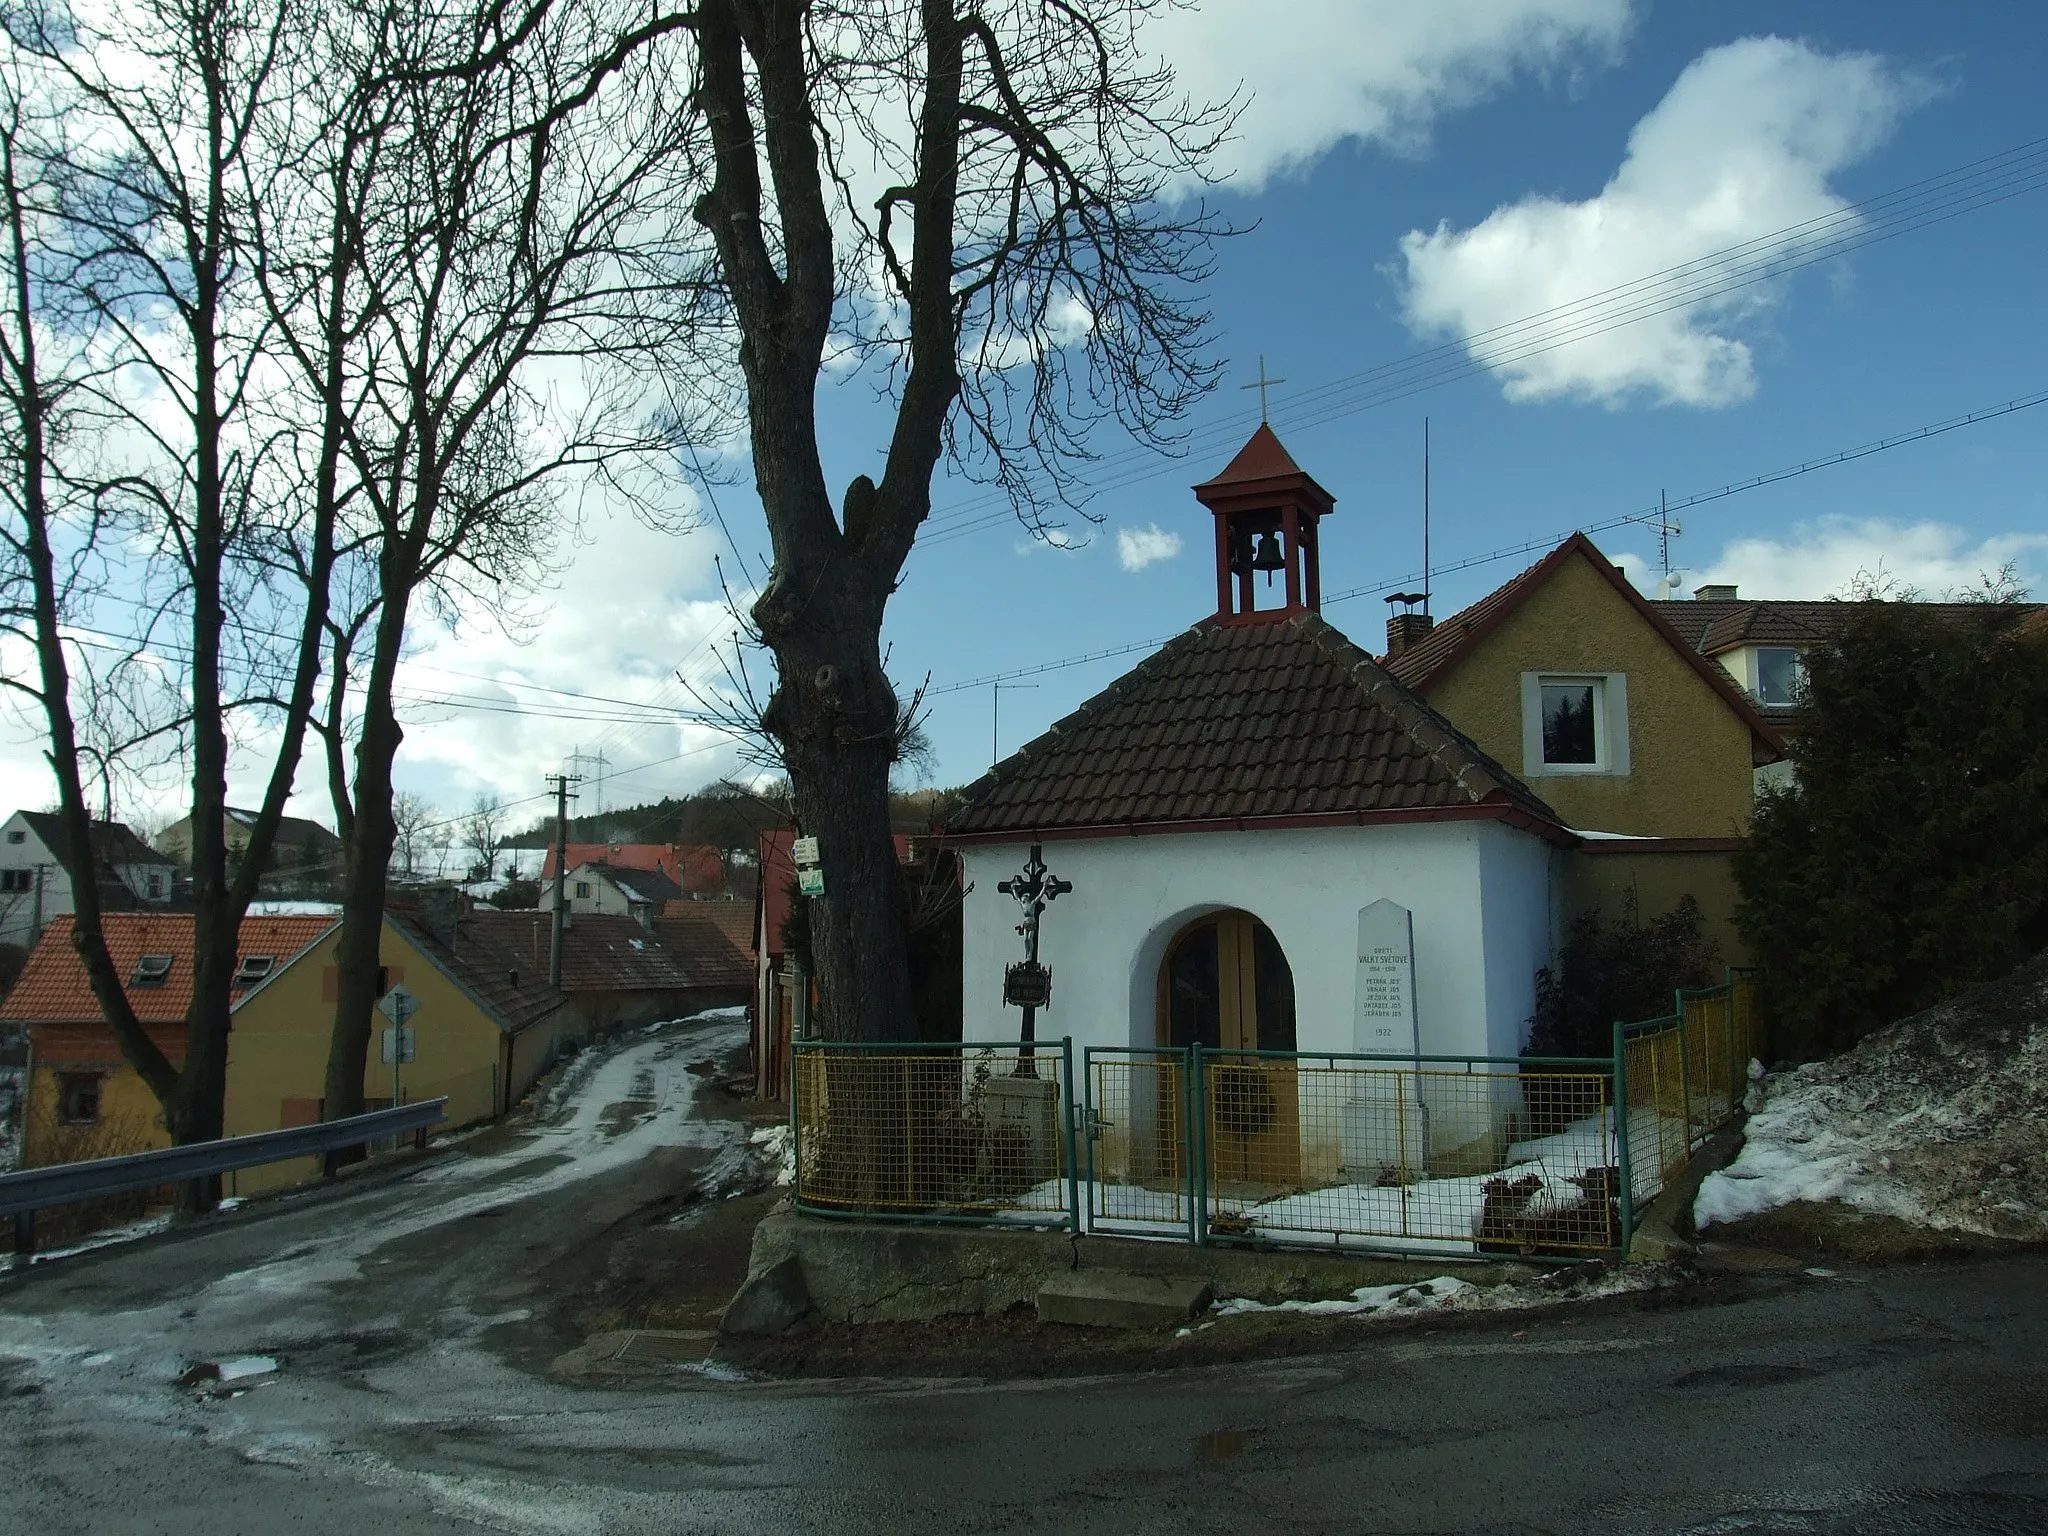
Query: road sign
[804, 851]
[397, 1046]
[398, 1005]
[811, 881]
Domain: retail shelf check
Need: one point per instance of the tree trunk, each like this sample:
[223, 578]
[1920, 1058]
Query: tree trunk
[839, 778]
[372, 834]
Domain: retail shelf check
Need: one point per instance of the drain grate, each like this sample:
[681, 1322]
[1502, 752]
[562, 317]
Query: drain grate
[676, 1346]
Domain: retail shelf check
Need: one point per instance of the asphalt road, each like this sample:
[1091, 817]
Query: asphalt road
[414, 1395]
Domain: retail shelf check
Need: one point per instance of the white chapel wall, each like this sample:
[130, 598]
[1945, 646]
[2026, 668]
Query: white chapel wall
[1475, 954]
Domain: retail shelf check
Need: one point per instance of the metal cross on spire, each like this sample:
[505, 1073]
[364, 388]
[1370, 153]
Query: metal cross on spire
[1262, 384]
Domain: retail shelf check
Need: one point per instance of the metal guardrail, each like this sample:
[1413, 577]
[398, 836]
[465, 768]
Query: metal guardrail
[34, 1189]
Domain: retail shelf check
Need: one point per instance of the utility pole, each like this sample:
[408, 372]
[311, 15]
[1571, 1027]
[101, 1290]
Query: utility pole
[562, 781]
[36, 932]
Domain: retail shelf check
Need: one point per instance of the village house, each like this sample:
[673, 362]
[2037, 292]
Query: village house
[1254, 821]
[602, 889]
[713, 942]
[35, 880]
[693, 869]
[304, 856]
[488, 1024]
[614, 971]
[1645, 747]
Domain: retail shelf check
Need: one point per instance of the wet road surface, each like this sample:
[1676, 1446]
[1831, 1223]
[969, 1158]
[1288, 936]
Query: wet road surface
[414, 1395]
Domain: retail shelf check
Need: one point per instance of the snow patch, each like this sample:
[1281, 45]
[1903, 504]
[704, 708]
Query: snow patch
[1940, 1120]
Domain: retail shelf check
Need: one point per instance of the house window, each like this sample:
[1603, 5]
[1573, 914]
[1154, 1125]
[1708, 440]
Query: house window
[1574, 724]
[78, 1098]
[156, 886]
[1779, 676]
[152, 971]
[253, 969]
[582, 890]
[16, 835]
[17, 879]
[1571, 724]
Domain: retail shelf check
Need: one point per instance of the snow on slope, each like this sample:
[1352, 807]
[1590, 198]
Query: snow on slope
[1940, 1120]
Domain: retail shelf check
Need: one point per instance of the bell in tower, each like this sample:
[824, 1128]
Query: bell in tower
[1267, 514]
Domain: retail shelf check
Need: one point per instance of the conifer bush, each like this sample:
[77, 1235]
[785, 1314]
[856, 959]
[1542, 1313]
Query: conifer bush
[1909, 859]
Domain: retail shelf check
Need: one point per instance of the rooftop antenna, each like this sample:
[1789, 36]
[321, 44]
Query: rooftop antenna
[1425, 515]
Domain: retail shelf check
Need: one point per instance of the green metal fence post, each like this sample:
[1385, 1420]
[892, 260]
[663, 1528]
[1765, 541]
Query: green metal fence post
[1198, 1148]
[1624, 1170]
[1073, 1150]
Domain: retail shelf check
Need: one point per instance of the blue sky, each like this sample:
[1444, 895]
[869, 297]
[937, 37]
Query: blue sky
[1908, 331]
[1415, 173]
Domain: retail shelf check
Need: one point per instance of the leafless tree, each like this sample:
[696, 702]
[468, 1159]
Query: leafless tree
[481, 830]
[411, 816]
[987, 202]
[127, 219]
[514, 288]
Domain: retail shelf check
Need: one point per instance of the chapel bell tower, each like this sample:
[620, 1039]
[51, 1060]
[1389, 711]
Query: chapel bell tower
[1267, 516]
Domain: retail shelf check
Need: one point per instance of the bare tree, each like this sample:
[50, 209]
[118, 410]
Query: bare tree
[127, 218]
[516, 286]
[481, 830]
[411, 816]
[981, 200]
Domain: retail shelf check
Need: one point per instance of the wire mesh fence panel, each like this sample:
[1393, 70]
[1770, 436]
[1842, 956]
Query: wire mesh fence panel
[966, 1133]
[1445, 1157]
[1138, 1160]
[1658, 1130]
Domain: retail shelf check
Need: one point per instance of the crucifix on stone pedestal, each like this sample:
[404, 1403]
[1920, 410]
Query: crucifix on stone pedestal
[1029, 985]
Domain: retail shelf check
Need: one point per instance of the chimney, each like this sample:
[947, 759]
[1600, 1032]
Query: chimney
[1410, 624]
[1404, 629]
[440, 909]
[1713, 594]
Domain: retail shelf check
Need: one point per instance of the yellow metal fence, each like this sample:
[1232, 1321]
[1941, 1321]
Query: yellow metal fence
[1458, 1156]
[1684, 1077]
[935, 1132]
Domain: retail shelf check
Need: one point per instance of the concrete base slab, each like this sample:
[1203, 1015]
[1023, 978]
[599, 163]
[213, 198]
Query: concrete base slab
[1107, 1299]
[890, 1272]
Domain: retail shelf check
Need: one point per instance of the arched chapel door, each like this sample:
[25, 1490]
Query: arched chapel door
[1225, 983]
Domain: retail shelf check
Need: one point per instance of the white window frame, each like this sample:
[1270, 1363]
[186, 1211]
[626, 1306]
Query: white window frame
[1610, 725]
[1756, 673]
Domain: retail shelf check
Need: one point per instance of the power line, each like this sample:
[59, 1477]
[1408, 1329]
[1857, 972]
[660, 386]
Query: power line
[1644, 515]
[1964, 189]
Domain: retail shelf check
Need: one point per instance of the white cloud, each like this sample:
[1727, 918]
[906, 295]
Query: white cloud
[1821, 558]
[1137, 548]
[1745, 143]
[1317, 72]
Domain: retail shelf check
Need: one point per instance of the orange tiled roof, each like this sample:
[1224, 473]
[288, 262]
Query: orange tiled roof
[53, 987]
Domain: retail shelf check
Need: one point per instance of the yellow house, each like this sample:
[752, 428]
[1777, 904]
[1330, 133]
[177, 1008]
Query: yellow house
[487, 1025]
[1571, 679]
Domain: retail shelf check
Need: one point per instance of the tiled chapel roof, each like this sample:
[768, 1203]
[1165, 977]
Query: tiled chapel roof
[1248, 722]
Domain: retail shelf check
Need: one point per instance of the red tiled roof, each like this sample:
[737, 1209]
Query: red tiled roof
[600, 953]
[1428, 659]
[711, 940]
[1712, 626]
[53, 986]
[1275, 720]
[491, 961]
